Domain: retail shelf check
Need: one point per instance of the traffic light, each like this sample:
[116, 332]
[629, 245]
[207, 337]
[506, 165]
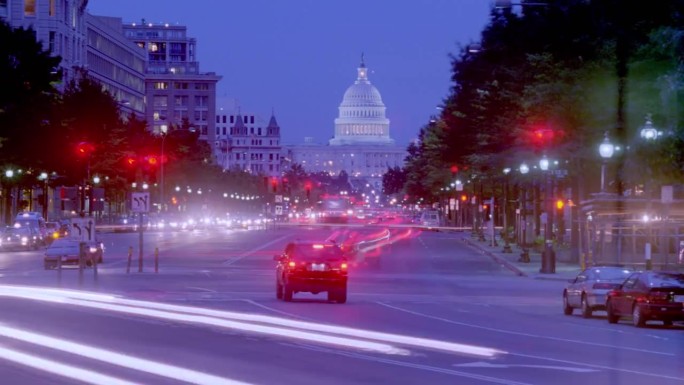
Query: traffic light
[131, 161]
[152, 160]
[274, 184]
[307, 187]
[464, 197]
[84, 149]
[560, 204]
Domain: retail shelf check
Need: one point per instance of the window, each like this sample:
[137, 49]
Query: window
[161, 85]
[224, 119]
[251, 119]
[52, 10]
[160, 101]
[3, 7]
[30, 8]
[51, 42]
[259, 133]
[232, 119]
[202, 86]
[202, 101]
[270, 156]
[218, 119]
[180, 85]
[182, 101]
[224, 130]
[251, 130]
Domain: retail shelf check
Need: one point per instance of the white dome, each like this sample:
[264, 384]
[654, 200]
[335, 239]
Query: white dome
[362, 95]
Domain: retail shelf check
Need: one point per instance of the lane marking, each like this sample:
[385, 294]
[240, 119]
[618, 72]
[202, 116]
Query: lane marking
[597, 366]
[274, 310]
[232, 260]
[201, 289]
[411, 365]
[60, 369]
[521, 333]
[482, 364]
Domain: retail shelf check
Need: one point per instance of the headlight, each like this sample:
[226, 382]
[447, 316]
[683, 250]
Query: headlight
[93, 249]
[24, 240]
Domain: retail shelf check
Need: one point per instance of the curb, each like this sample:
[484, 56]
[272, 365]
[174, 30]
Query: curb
[551, 278]
[497, 259]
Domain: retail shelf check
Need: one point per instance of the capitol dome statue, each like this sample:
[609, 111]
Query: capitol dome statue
[361, 117]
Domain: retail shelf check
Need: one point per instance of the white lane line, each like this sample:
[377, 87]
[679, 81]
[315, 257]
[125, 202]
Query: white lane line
[232, 260]
[521, 333]
[201, 289]
[411, 365]
[274, 310]
[597, 366]
[482, 364]
[60, 369]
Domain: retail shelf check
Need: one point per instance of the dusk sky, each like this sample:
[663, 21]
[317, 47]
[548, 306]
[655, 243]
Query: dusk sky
[299, 56]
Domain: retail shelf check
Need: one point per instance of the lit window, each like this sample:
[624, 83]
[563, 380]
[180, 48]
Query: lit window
[30, 8]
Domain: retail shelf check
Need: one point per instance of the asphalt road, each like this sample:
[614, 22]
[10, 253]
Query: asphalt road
[432, 311]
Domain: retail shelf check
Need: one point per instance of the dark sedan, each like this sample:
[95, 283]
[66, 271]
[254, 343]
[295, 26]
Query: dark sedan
[312, 267]
[648, 295]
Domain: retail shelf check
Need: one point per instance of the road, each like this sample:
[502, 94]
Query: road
[433, 311]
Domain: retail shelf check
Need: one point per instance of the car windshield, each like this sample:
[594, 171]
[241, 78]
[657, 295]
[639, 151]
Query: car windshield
[309, 252]
[667, 280]
[612, 273]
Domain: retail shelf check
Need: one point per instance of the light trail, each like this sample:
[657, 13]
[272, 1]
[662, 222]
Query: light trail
[227, 319]
[60, 369]
[123, 360]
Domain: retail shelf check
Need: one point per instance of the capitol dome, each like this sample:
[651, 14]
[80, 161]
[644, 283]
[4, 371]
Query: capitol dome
[361, 118]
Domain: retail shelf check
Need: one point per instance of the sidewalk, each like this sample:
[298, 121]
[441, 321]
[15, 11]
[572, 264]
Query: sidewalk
[564, 270]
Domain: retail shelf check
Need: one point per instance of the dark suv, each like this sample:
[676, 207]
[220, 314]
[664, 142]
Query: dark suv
[312, 267]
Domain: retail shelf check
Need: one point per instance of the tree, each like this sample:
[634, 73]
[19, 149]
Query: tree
[393, 181]
[27, 88]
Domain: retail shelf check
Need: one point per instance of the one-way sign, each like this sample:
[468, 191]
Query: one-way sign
[140, 202]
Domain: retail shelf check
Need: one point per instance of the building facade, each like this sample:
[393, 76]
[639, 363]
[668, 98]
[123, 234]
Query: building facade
[117, 63]
[247, 142]
[361, 146]
[59, 25]
[177, 92]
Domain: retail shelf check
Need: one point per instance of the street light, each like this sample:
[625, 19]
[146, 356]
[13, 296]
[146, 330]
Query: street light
[507, 246]
[163, 130]
[548, 255]
[606, 150]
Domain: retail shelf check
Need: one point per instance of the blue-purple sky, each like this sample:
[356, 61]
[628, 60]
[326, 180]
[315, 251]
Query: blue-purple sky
[299, 56]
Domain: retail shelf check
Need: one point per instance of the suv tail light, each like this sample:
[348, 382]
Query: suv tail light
[657, 296]
[344, 266]
[292, 264]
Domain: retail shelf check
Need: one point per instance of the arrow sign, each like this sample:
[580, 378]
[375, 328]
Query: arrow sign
[140, 202]
[481, 364]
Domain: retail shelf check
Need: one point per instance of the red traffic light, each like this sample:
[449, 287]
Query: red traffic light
[152, 160]
[454, 169]
[464, 198]
[84, 148]
[131, 161]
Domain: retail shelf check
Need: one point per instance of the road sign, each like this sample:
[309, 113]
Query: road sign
[278, 199]
[279, 210]
[82, 229]
[140, 202]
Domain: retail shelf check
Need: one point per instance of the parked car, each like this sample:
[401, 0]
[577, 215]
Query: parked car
[648, 295]
[588, 291]
[20, 238]
[69, 250]
[311, 267]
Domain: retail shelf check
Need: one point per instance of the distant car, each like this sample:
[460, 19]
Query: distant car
[311, 267]
[430, 218]
[69, 249]
[35, 220]
[648, 295]
[20, 238]
[589, 289]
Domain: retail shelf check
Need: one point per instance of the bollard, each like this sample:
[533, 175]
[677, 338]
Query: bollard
[156, 260]
[130, 258]
[81, 262]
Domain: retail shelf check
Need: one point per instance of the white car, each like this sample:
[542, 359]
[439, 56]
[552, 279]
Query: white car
[588, 291]
[69, 249]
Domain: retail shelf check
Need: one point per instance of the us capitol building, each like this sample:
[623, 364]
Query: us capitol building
[362, 146]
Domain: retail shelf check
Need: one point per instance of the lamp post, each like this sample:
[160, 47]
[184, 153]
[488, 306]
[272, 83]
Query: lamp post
[548, 255]
[9, 202]
[507, 246]
[164, 130]
[606, 150]
[525, 255]
[649, 134]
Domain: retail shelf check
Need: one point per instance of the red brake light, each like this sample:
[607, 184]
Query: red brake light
[317, 246]
[343, 266]
[292, 264]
